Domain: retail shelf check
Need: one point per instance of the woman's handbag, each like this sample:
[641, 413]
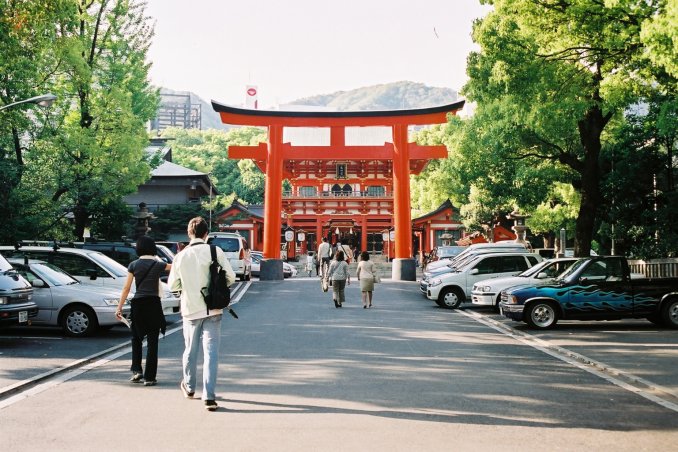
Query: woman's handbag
[324, 284]
[377, 278]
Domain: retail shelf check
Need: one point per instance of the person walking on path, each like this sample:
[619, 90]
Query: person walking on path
[324, 254]
[338, 272]
[148, 320]
[309, 263]
[348, 254]
[366, 274]
[190, 274]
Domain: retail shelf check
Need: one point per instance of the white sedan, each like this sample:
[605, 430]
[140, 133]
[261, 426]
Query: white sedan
[80, 310]
[288, 270]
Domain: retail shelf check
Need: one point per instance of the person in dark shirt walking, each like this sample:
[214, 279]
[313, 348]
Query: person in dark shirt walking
[148, 320]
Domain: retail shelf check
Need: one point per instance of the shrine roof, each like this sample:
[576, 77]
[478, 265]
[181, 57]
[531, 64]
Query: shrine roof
[416, 116]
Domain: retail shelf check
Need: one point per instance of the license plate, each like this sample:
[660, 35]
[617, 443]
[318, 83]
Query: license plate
[23, 316]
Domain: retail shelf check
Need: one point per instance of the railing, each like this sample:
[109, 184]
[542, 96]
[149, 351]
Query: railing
[655, 268]
[330, 194]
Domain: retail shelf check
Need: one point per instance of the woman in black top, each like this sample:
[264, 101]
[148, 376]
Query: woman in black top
[147, 317]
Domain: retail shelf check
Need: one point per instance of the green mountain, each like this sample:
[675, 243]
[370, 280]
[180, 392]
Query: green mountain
[389, 96]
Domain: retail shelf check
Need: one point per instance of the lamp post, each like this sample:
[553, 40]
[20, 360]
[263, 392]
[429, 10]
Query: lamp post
[44, 100]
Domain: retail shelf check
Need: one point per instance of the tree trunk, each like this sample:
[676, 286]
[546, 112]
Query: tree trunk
[81, 216]
[590, 130]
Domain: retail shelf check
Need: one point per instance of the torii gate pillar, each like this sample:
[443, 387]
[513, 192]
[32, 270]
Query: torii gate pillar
[404, 266]
[271, 265]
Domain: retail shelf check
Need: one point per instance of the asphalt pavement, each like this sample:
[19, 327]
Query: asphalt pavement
[296, 373]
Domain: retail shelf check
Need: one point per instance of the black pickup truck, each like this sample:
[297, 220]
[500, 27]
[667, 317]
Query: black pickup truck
[595, 288]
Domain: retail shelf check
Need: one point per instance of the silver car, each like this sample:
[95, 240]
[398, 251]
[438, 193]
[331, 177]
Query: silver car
[90, 267]
[80, 310]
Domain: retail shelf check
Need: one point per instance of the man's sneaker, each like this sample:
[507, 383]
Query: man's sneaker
[137, 377]
[150, 382]
[188, 394]
[211, 405]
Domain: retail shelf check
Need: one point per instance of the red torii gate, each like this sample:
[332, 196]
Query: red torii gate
[272, 155]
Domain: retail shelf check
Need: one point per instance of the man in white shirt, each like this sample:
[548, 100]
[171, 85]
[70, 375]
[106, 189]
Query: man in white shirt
[324, 251]
[189, 274]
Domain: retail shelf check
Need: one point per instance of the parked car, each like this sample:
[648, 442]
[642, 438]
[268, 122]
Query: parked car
[63, 301]
[477, 248]
[488, 291]
[174, 247]
[464, 259]
[289, 270]
[594, 288]
[237, 252]
[451, 289]
[89, 267]
[443, 252]
[16, 304]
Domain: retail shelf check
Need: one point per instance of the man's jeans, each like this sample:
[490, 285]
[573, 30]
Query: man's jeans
[210, 329]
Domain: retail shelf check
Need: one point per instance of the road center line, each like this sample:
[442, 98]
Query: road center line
[582, 362]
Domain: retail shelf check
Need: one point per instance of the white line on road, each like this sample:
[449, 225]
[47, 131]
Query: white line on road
[582, 362]
[55, 377]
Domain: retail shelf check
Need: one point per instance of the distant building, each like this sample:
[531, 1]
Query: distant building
[177, 110]
[170, 184]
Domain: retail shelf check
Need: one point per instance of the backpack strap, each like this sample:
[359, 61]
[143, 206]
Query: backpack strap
[213, 253]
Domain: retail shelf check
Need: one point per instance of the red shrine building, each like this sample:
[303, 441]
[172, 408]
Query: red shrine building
[349, 174]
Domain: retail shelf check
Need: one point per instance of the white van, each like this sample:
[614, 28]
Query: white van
[237, 252]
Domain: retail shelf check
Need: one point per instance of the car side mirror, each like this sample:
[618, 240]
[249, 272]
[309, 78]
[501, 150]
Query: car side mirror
[542, 275]
[583, 280]
[38, 283]
[92, 273]
[474, 271]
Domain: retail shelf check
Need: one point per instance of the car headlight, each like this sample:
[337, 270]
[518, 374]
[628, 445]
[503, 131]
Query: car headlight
[512, 299]
[484, 288]
[435, 282]
[114, 301]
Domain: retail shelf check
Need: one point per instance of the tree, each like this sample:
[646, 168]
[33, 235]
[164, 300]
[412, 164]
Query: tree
[30, 48]
[98, 155]
[555, 74]
[207, 151]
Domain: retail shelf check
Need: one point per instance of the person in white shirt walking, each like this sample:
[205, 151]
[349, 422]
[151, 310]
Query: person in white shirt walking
[189, 274]
[325, 254]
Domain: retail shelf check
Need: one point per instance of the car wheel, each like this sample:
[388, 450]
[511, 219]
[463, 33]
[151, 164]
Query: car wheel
[670, 313]
[451, 298]
[79, 321]
[541, 315]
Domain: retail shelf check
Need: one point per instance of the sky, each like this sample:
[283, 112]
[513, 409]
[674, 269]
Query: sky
[291, 49]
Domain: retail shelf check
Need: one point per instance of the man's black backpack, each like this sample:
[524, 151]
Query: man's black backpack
[217, 295]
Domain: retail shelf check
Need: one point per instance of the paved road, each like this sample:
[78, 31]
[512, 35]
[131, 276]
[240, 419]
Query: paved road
[298, 374]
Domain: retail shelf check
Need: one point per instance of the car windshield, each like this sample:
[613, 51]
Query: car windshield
[4, 265]
[449, 251]
[572, 269]
[228, 244]
[534, 270]
[117, 269]
[51, 274]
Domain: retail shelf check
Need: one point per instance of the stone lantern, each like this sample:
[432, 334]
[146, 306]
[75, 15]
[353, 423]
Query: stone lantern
[518, 225]
[142, 216]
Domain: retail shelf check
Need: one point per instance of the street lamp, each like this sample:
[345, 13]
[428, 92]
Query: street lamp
[44, 100]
